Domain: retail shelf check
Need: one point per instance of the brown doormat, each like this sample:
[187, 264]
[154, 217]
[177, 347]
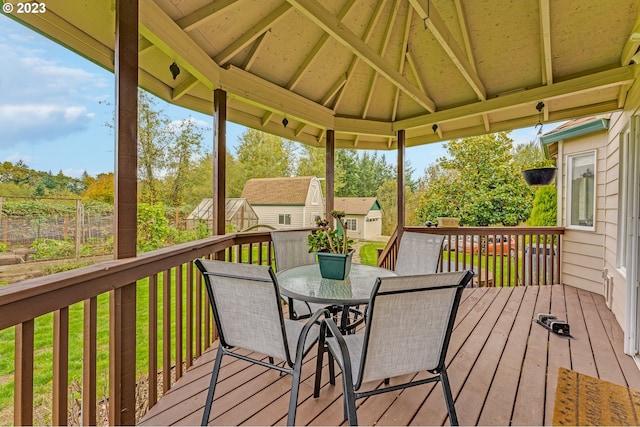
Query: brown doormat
[582, 400]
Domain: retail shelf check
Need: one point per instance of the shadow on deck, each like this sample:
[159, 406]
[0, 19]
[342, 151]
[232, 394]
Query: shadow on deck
[502, 366]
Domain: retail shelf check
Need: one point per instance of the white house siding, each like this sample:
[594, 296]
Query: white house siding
[618, 125]
[314, 205]
[268, 215]
[373, 227]
[582, 250]
[360, 233]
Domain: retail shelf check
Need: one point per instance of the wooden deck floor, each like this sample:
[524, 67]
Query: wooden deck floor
[502, 367]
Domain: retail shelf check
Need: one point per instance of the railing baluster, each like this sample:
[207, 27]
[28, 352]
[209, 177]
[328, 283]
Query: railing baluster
[60, 366]
[23, 381]
[189, 333]
[89, 357]
[198, 313]
[166, 331]
[178, 322]
[153, 340]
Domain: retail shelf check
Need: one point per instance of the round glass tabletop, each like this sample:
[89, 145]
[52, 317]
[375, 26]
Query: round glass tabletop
[305, 283]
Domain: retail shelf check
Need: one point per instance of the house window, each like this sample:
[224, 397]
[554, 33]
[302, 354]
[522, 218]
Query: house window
[284, 219]
[352, 224]
[581, 190]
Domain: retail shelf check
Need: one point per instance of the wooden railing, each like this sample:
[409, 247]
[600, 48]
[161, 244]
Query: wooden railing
[499, 256]
[184, 324]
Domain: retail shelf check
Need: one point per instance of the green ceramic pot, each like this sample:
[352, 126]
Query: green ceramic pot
[334, 266]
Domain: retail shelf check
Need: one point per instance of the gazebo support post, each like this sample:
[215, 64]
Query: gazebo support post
[401, 184]
[219, 162]
[122, 301]
[330, 161]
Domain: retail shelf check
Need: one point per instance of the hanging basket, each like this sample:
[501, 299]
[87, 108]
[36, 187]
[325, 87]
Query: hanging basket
[539, 176]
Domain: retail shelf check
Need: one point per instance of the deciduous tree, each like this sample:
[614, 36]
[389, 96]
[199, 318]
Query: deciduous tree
[478, 183]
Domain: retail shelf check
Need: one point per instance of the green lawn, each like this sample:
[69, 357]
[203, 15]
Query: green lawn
[369, 252]
[43, 346]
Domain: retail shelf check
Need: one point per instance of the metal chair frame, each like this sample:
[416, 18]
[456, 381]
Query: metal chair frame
[295, 366]
[350, 392]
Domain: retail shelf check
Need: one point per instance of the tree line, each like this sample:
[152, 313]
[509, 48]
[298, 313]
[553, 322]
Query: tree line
[478, 180]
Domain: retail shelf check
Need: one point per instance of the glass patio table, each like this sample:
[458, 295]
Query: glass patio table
[305, 283]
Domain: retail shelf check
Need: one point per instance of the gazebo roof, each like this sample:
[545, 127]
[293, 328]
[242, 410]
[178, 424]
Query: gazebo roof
[439, 69]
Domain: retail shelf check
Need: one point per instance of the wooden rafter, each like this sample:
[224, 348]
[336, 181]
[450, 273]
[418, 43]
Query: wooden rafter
[337, 85]
[599, 80]
[545, 34]
[354, 63]
[405, 48]
[313, 53]
[266, 118]
[442, 34]
[632, 44]
[466, 40]
[184, 87]
[144, 45]
[383, 49]
[250, 36]
[251, 57]
[321, 17]
[200, 16]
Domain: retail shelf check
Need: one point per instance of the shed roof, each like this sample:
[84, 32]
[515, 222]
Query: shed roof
[438, 69]
[356, 205]
[204, 210]
[277, 191]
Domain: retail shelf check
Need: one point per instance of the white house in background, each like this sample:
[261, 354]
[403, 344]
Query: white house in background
[285, 202]
[363, 216]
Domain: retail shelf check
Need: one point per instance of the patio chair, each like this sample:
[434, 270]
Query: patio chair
[410, 320]
[291, 250]
[419, 253]
[246, 306]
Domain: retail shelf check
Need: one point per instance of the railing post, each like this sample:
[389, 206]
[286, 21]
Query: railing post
[23, 382]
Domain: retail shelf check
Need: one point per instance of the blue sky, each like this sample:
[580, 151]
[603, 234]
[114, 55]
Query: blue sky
[53, 111]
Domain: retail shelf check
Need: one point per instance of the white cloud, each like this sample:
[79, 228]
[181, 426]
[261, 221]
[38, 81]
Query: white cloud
[45, 96]
[40, 122]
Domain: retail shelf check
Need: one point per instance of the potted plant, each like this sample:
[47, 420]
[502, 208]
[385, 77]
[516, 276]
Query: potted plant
[333, 247]
[540, 173]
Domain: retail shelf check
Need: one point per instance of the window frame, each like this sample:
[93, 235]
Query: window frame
[355, 221]
[571, 158]
[283, 217]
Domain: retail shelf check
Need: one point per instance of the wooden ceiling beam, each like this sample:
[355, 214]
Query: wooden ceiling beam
[250, 36]
[403, 59]
[337, 85]
[167, 36]
[321, 17]
[614, 77]
[436, 25]
[202, 15]
[383, 50]
[184, 87]
[631, 46]
[317, 48]
[255, 91]
[377, 12]
[251, 57]
[545, 35]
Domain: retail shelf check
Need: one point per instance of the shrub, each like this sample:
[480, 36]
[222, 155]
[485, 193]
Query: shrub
[545, 207]
[53, 249]
[3, 247]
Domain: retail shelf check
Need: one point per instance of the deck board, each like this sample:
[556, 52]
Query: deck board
[502, 366]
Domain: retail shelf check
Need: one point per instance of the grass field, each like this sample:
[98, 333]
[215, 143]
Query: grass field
[44, 345]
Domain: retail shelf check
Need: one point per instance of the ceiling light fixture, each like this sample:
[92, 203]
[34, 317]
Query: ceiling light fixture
[175, 70]
[435, 128]
[285, 122]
